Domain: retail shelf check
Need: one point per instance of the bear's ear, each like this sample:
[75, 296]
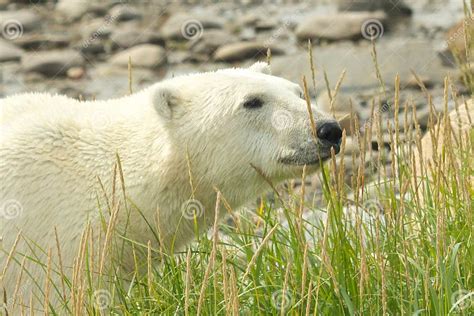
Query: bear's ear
[164, 100]
[262, 67]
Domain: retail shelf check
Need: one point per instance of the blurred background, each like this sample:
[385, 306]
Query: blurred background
[82, 48]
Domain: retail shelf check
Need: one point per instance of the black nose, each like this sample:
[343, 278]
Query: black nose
[330, 132]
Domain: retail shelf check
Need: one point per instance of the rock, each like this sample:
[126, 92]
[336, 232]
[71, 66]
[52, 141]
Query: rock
[144, 55]
[392, 7]
[341, 103]
[92, 47]
[360, 5]
[462, 127]
[210, 41]
[412, 82]
[345, 121]
[9, 52]
[247, 34]
[182, 26]
[71, 10]
[341, 26]
[74, 10]
[180, 57]
[51, 63]
[98, 28]
[265, 25]
[14, 23]
[411, 54]
[243, 50]
[75, 72]
[455, 38]
[122, 12]
[248, 19]
[43, 41]
[126, 38]
[351, 146]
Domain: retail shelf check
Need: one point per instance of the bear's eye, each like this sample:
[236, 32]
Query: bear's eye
[254, 103]
[302, 96]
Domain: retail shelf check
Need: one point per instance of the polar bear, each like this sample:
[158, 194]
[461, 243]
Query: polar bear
[176, 143]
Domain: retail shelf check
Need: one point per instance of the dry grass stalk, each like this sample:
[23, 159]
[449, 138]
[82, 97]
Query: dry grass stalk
[259, 249]
[308, 107]
[212, 258]
[188, 282]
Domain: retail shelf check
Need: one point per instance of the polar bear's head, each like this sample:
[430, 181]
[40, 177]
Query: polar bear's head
[231, 119]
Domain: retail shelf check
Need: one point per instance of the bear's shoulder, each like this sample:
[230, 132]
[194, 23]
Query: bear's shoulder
[20, 105]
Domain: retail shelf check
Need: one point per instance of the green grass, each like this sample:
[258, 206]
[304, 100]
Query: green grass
[415, 260]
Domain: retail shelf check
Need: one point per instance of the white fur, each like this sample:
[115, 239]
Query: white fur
[54, 149]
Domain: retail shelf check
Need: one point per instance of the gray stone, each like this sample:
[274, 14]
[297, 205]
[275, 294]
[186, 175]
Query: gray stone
[14, 23]
[243, 50]
[122, 12]
[92, 48]
[9, 52]
[247, 34]
[340, 26]
[265, 25]
[182, 26]
[51, 63]
[210, 41]
[397, 56]
[393, 7]
[144, 55]
[72, 10]
[42, 41]
[126, 38]
[98, 28]
[341, 102]
[360, 5]
[76, 73]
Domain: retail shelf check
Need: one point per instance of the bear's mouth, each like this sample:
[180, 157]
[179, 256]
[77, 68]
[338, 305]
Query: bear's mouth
[305, 157]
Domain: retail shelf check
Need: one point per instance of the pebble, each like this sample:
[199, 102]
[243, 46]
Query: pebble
[243, 50]
[14, 23]
[125, 38]
[144, 55]
[76, 73]
[123, 12]
[51, 63]
[183, 26]
[9, 52]
[340, 26]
